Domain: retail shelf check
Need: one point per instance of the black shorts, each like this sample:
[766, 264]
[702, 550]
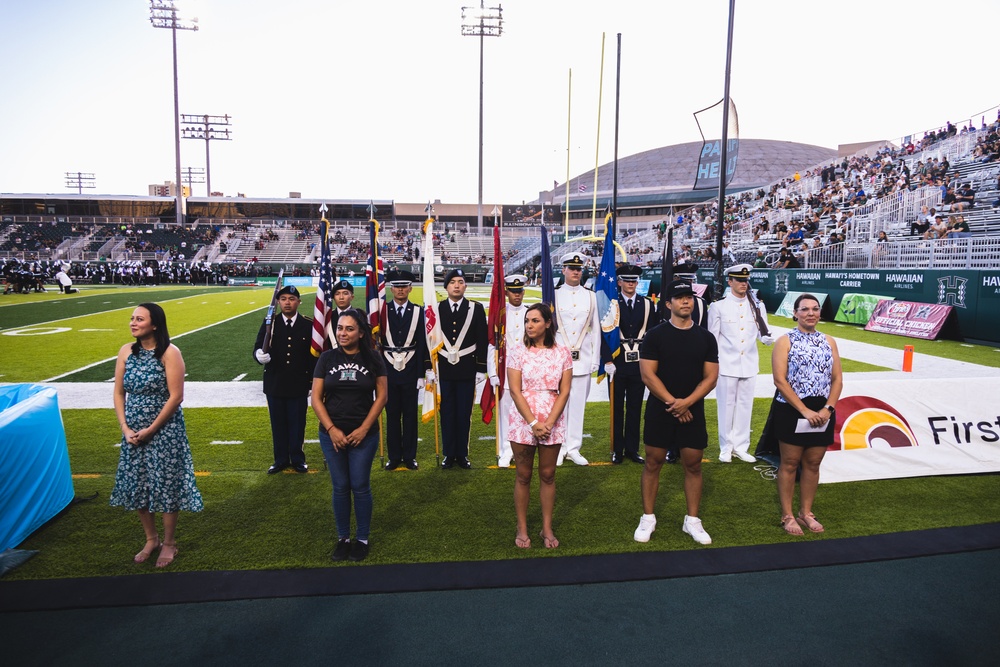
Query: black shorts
[663, 431]
[786, 417]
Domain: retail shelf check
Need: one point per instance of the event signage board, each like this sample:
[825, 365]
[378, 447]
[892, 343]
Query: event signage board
[973, 294]
[788, 303]
[906, 318]
[857, 308]
[914, 428]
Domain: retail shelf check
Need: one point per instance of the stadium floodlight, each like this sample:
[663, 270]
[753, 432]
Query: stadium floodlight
[208, 128]
[193, 175]
[80, 180]
[167, 14]
[481, 22]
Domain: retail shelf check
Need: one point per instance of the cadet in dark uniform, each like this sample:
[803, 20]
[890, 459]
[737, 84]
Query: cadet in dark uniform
[343, 296]
[288, 369]
[637, 315]
[404, 348]
[461, 364]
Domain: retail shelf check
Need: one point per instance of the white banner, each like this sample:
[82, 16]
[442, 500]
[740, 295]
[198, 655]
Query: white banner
[914, 428]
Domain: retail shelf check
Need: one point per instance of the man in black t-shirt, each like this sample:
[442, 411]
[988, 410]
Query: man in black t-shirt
[679, 363]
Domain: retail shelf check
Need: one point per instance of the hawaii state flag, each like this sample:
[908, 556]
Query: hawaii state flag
[497, 330]
[432, 325]
[322, 311]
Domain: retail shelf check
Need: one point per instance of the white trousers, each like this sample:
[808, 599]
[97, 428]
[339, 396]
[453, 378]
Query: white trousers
[575, 406]
[735, 404]
[502, 416]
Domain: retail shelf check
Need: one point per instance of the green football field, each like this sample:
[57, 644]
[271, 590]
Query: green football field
[255, 521]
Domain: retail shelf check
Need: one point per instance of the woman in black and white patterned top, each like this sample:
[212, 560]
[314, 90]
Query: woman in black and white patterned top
[806, 368]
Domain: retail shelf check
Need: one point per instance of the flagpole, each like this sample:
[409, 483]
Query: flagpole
[597, 152]
[724, 157]
[569, 116]
[614, 213]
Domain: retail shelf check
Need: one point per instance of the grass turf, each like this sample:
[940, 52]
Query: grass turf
[255, 521]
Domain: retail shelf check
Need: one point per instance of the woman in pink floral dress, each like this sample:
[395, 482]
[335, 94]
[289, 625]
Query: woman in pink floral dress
[539, 377]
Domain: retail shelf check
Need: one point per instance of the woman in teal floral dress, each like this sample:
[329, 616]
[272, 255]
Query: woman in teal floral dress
[155, 471]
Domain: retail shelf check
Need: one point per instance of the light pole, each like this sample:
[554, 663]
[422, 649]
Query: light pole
[481, 22]
[208, 128]
[193, 175]
[80, 180]
[165, 14]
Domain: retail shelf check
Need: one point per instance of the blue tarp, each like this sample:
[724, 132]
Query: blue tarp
[35, 480]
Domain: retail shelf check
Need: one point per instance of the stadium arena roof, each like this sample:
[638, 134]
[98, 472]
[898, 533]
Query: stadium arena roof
[665, 176]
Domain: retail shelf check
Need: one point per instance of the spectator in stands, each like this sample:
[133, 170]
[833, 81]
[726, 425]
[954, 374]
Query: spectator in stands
[938, 230]
[959, 228]
[964, 198]
[787, 260]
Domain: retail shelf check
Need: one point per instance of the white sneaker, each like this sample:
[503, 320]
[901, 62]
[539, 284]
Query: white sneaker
[725, 458]
[562, 455]
[692, 526]
[745, 456]
[647, 524]
[503, 462]
[577, 458]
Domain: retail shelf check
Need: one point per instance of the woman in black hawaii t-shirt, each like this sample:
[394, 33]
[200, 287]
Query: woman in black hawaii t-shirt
[348, 394]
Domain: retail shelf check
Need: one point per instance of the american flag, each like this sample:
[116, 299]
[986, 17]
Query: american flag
[374, 282]
[322, 311]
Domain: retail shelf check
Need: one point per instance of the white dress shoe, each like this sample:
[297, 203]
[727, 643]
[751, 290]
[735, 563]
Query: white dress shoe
[745, 456]
[647, 524]
[725, 458]
[503, 462]
[692, 526]
[577, 458]
[562, 455]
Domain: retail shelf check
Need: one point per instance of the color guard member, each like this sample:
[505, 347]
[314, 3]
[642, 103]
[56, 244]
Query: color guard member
[514, 328]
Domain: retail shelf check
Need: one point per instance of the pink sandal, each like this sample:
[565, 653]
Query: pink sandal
[809, 521]
[792, 528]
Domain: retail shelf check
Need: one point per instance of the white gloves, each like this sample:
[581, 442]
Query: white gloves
[420, 384]
[262, 356]
[480, 378]
[594, 367]
[610, 369]
[767, 340]
[429, 376]
[495, 380]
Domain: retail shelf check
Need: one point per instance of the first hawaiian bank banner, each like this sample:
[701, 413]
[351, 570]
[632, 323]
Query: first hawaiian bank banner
[914, 428]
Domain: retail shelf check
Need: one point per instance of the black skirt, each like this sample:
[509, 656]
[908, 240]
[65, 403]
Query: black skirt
[786, 418]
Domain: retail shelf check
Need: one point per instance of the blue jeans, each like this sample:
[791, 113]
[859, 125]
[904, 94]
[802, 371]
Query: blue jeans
[351, 473]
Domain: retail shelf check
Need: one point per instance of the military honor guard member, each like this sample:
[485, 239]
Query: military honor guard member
[514, 328]
[579, 329]
[637, 315]
[343, 295]
[288, 369]
[404, 347]
[737, 327]
[461, 364]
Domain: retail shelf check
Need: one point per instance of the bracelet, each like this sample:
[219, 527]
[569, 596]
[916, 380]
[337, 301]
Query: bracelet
[331, 426]
[532, 424]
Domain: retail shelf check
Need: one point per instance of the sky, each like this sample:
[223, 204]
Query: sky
[380, 100]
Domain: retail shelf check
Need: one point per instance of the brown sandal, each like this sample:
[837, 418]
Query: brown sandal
[550, 542]
[790, 526]
[809, 521]
[163, 560]
[147, 551]
[522, 542]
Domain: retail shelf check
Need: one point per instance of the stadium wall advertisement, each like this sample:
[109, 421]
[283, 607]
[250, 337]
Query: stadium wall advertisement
[974, 295]
[888, 429]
